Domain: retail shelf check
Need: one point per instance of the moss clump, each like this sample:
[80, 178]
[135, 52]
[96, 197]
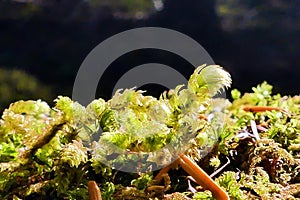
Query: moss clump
[49, 152]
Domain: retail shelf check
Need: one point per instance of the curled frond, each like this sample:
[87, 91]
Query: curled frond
[208, 80]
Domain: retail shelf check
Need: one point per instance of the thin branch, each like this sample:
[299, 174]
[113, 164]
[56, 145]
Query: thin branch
[256, 109]
[94, 191]
[254, 130]
[202, 178]
[220, 169]
[23, 158]
[42, 140]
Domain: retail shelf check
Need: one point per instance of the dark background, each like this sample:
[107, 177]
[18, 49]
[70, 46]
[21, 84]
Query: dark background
[43, 42]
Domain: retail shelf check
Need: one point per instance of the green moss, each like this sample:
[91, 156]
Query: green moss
[51, 151]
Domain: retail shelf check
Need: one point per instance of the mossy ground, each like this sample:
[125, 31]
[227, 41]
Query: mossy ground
[257, 155]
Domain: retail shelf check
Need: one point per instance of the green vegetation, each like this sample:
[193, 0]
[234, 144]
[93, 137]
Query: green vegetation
[16, 84]
[50, 151]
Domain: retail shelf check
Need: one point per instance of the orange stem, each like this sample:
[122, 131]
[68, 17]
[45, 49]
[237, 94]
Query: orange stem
[255, 109]
[202, 178]
[201, 116]
[198, 174]
[164, 170]
[94, 191]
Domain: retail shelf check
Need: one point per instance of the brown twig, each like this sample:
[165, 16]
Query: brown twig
[202, 178]
[94, 191]
[198, 175]
[256, 109]
[220, 169]
[42, 140]
[163, 171]
[203, 117]
[31, 150]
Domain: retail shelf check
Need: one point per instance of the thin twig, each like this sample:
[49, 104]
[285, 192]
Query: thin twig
[254, 130]
[42, 140]
[191, 188]
[203, 117]
[94, 191]
[27, 153]
[197, 175]
[220, 169]
[256, 109]
[163, 171]
[202, 178]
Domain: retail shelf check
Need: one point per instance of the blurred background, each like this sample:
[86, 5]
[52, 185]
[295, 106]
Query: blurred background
[43, 42]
